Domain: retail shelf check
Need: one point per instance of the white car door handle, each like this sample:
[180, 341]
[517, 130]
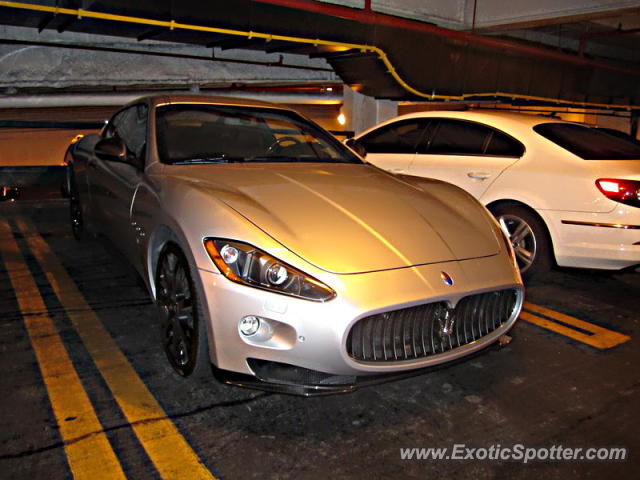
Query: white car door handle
[478, 175]
[397, 170]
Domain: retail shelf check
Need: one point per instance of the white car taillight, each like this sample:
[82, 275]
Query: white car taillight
[623, 191]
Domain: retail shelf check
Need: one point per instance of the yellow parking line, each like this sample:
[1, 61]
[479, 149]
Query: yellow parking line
[596, 336]
[166, 447]
[89, 453]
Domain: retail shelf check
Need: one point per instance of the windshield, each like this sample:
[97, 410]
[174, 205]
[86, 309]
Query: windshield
[203, 133]
[590, 143]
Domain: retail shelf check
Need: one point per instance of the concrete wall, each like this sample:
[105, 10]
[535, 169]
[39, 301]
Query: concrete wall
[458, 14]
[490, 13]
[34, 146]
[445, 13]
[363, 112]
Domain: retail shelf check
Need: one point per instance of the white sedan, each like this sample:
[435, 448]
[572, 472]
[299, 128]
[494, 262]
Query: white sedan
[562, 191]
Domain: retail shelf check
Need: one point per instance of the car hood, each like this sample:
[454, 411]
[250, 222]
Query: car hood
[346, 218]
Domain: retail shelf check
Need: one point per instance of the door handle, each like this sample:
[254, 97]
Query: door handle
[397, 170]
[478, 175]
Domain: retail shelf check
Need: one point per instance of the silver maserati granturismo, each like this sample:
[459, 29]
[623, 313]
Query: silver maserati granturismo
[281, 258]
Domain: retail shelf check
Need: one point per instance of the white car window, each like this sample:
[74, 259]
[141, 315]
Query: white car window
[590, 143]
[461, 137]
[398, 137]
[502, 145]
[458, 137]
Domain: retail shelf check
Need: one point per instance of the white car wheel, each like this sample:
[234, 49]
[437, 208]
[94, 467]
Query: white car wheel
[529, 238]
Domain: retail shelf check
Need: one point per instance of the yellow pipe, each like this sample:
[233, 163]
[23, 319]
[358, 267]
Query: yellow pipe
[173, 25]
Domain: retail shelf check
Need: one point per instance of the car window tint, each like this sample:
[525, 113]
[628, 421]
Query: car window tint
[131, 126]
[203, 131]
[459, 137]
[619, 133]
[398, 137]
[503, 145]
[590, 143]
[429, 130]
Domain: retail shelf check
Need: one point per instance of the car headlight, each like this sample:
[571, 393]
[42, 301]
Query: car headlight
[245, 264]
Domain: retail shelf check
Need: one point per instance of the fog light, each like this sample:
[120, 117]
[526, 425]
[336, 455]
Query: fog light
[249, 325]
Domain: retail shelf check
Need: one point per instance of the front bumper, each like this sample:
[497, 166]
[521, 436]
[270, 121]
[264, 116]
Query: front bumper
[313, 335]
[291, 380]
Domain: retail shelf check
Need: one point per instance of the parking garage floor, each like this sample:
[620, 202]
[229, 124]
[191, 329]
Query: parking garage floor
[87, 393]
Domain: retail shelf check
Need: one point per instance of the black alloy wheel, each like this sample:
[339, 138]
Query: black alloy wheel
[184, 337]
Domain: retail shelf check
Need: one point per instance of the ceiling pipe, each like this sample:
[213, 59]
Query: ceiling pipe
[381, 19]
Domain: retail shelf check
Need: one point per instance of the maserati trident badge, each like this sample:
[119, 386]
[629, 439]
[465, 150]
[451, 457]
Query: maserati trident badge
[446, 322]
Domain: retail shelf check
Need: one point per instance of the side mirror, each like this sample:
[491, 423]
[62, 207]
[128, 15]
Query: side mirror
[112, 149]
[356, 146]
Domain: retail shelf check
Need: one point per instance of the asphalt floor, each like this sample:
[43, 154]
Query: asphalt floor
[87, 393]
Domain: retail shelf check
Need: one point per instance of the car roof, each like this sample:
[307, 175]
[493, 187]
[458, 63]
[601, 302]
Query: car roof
[487, 116]
[513, 123]
[162, 99]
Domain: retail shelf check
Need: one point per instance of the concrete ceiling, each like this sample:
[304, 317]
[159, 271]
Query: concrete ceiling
[573, 51]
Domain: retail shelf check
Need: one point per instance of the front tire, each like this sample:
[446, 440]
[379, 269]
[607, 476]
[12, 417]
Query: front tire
[529, 238]
[184, 336]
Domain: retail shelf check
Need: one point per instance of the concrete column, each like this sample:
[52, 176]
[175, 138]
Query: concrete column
[363, 112]
[624, 124]
[635, 115]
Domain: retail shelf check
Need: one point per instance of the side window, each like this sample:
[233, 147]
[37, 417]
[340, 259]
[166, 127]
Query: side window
[502, 145]
[399, 137]
[130, 125]
[458, 137]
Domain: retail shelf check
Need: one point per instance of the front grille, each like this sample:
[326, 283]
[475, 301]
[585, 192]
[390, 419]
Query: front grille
[429, 329]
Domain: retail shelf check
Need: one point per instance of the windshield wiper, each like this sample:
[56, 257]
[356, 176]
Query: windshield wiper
[274, 158]
[222, 158]
[284, 158]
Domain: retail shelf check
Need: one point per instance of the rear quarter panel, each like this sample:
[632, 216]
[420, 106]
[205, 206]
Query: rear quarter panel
[550, 178]
[78, 172]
